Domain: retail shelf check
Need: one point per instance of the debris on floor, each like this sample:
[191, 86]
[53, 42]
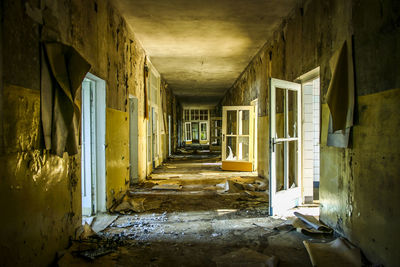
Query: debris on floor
[167, 187]
[245, 257]
[102, 221]
[87, 219]
[216, 218]
[84, 232]
[338, 252]
[310, 225]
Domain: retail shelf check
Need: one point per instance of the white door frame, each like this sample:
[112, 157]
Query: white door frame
[169, 135]
[93, 175]
[254, 103]
[285, 199]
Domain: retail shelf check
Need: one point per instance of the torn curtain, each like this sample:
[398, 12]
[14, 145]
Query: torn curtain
[340, 95]
[63, 70]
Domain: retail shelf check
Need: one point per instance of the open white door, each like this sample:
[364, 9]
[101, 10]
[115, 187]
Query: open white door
[87, 125]
[237, 138]
[93, 172]
[285, 146]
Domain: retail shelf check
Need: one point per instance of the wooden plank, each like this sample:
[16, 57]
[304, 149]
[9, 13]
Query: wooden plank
[237, 166]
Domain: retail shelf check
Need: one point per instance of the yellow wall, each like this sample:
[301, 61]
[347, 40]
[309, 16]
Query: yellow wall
[117, 154]
[263, 146]
[39, 193]
[362, 186]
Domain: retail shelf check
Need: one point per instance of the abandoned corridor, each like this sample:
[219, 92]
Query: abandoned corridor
[196, 127]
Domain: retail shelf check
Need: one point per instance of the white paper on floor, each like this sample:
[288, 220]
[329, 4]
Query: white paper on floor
[339, 252]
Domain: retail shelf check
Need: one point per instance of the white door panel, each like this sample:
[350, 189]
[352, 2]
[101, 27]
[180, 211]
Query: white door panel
[285, 146]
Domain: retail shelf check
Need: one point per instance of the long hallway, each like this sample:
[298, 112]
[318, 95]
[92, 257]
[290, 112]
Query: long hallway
[182, 133]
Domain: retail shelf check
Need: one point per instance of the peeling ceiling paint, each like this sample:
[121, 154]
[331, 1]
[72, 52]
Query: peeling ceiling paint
[200, 47]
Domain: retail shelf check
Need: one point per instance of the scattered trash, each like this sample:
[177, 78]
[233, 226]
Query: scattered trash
[307, 224]
[339, 252]
[232, 187]
[102, 221]
[94, 253]
[137, 204]
[284, 227]
[260, 185]
[87, 219]
[84, 232]
[246, 257]
[257, 194]
[123, 206]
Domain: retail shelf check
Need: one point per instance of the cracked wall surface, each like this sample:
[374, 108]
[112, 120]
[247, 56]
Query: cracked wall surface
[359, 185]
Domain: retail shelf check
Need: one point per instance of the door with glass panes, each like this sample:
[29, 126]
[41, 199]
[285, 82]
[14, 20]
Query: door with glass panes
[285, 146]
[237, 138]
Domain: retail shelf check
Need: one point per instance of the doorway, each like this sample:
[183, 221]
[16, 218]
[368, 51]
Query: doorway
[285, 146]
[154, 119]
[188, 132]
[203, 131]
[311, 135]
[237, 138]
[93, 170]
[195, 132]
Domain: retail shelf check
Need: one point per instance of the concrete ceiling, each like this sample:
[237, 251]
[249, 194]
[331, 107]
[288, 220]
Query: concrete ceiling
[200, 47]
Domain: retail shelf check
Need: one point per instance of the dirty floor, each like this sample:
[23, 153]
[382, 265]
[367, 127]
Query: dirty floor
[190, 213]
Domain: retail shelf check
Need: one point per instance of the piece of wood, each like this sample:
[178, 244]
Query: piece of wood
[237, 166]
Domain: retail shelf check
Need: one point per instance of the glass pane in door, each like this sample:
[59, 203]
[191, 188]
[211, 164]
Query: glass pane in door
[244, 122]
[231, 148]
[292, 116]
[231, 122]
[195, 130]
[203, 131]
[280, 166]
[280, 113]
[293, 175]
[243, 148]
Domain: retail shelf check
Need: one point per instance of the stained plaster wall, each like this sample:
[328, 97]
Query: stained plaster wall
[169, 109]
[40, 193]
[359, 186]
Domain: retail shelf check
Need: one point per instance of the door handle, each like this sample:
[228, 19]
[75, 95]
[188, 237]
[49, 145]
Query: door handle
[273, 143]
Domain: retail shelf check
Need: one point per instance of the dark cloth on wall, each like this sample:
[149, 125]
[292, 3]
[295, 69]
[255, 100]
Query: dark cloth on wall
[340, 95]
[63, 70]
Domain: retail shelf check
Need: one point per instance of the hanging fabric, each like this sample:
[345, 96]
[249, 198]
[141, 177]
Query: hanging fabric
[63, 70]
